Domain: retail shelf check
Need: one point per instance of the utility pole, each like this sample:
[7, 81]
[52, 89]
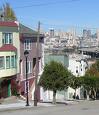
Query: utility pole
[37, 65]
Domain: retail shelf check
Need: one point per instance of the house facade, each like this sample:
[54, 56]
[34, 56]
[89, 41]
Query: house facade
[78, 64]
[15, 39]
[9, 57]
[28, 41]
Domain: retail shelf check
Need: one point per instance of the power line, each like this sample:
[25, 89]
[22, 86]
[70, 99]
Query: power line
[46, 4]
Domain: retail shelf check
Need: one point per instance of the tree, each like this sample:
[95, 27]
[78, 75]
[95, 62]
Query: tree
[89, 84]
[75, 83]
[93, 70]
[54, 77]
[91, 79]
[9, 14]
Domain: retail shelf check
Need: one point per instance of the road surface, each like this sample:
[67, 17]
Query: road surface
[80, 108]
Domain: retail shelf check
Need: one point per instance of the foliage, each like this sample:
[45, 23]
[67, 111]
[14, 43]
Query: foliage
[54, 77]
[91, 79]
[76, 82]
[93, 70]
[15, 88]
[90, 84]
[9, 14]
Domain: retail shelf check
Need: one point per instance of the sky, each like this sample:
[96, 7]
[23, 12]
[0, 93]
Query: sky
[56, 13]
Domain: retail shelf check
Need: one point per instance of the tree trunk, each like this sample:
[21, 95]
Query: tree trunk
[87, 95]
[75, 94]
[54, 96]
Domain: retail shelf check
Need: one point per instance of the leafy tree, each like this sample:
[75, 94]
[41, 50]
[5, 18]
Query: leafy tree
[91, 79]
[93, 70]
[90, 84]
[54, 77]
[75, 83]
[9, 14]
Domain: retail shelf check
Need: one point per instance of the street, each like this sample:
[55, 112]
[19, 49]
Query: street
[80, 108]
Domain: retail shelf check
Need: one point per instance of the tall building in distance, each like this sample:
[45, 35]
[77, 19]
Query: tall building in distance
[86, 33]
[51, 32]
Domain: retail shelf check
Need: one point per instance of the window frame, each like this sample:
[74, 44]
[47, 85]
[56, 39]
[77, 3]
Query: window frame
[3, 63]
[7, 38]
[9, 62]
[27, 44]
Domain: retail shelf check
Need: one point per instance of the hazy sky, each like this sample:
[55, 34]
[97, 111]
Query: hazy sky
[58, 13]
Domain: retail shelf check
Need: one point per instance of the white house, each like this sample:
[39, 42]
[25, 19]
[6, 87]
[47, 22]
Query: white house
[78, 65]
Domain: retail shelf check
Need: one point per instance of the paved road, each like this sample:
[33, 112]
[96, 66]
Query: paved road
[81, 108]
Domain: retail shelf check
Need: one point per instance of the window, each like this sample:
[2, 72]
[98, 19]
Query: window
[29, 67]
[7, 38]
[13, 61]
[1, 62]
[34, 62]
[27, 44]
[76, 69]
[7, 62]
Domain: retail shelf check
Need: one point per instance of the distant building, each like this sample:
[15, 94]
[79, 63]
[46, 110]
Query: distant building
[51, 32]
[86, 34]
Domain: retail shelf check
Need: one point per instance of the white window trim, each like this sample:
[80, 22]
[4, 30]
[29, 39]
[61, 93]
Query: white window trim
[8, 37]
[3, 62]
[30, 67]
[27, 46]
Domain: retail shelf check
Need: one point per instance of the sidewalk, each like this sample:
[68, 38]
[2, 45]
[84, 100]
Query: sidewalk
[22, 105]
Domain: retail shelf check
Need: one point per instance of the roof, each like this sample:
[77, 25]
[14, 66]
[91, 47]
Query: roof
[8, 47]
[11, 24]
[8, 26]
[26, 32]
[90, 49]
[25, 29]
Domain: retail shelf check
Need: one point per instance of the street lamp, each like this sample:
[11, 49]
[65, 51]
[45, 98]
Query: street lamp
[27, 98]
